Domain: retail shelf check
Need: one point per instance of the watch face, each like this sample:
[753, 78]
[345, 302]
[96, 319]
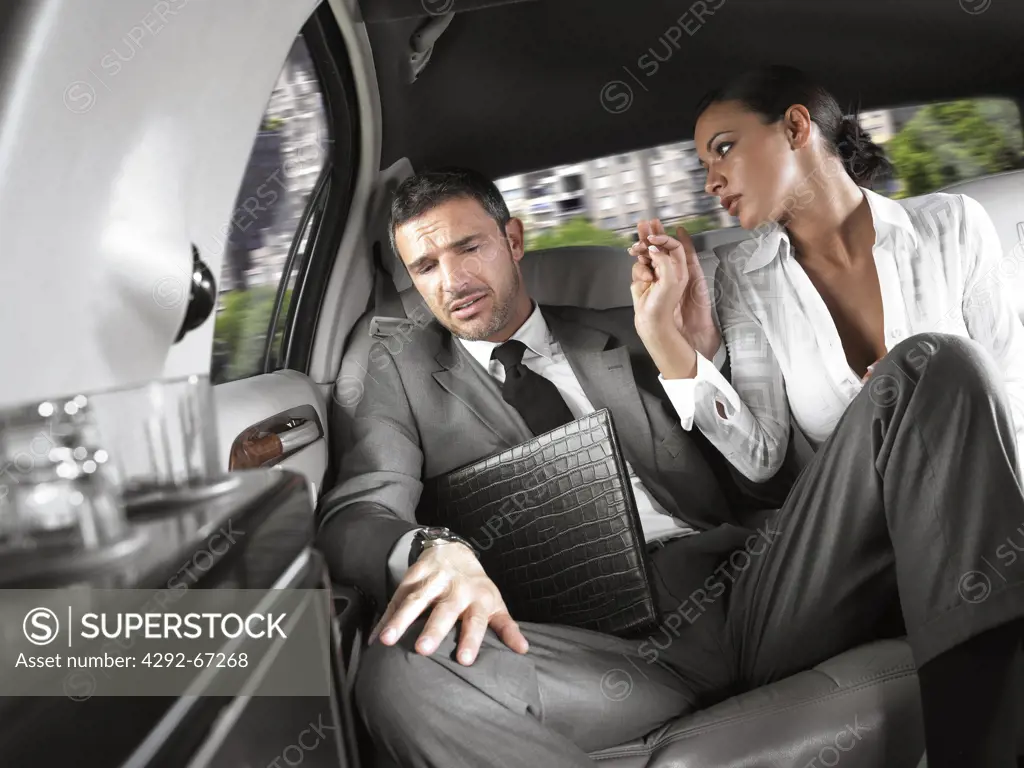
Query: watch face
[434, 533]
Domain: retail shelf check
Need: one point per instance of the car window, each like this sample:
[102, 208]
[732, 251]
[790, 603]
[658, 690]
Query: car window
[600, 201]
[940, 144]
[269, 228]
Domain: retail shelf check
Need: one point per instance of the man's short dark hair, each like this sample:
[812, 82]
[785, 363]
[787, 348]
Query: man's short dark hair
[425, 191]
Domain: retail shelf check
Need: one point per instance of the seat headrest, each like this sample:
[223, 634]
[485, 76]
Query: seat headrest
[714, 239]
[379, 213]
[1000, 195]
[590, 276]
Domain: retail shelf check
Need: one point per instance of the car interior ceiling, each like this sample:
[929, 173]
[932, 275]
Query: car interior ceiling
[516, 87]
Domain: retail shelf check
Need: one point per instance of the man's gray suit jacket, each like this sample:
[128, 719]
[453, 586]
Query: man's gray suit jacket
[427, 408]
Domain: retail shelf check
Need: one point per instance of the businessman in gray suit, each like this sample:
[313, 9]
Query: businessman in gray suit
[450, 678]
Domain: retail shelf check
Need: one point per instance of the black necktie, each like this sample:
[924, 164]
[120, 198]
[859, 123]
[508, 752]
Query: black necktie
[536, 398]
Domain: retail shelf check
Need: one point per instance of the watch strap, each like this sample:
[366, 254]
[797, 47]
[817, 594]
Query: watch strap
[424, 536]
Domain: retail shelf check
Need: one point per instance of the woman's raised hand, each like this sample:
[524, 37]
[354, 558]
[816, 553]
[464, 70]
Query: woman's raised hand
[669, 288]
[660, 278]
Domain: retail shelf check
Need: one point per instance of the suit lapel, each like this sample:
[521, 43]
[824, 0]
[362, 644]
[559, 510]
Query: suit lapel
[606, 376]
[463, 377]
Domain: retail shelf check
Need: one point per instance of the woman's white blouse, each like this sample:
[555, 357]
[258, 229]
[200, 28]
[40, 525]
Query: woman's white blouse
[941, 269]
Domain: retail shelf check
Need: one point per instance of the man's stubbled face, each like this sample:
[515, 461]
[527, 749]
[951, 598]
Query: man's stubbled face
[466, 269]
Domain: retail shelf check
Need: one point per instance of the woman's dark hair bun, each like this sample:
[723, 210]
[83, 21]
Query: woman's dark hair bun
[864, 160]
[771, 91]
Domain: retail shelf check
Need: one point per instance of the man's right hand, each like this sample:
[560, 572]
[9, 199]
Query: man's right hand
[449, 578]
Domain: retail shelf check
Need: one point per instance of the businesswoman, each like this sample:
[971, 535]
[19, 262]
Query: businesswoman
[834, 277]
[884, 331]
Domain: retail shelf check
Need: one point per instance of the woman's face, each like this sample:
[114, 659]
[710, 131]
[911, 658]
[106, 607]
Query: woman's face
[752, 166]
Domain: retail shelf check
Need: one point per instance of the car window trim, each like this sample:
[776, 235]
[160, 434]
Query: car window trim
[309, 220]
[330, 55]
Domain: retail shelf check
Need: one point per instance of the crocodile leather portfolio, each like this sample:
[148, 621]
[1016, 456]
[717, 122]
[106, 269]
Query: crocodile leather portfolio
[556, 527]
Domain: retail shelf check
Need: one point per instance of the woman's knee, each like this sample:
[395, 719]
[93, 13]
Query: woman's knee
[952, 360]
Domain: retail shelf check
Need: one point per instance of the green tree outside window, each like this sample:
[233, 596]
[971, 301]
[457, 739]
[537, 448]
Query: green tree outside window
[960, 140]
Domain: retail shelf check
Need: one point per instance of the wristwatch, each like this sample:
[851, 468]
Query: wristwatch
[426, 538]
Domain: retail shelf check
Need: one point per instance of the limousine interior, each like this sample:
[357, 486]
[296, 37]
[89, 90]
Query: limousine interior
[195, 194]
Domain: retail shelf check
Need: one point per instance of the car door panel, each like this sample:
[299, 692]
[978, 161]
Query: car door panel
[247, 403]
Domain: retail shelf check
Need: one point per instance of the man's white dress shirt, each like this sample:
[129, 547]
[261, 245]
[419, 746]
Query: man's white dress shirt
[940, 268]
[545, 357]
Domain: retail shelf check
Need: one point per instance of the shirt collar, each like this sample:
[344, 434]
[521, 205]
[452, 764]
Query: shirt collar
[534, 333]
[770, 240]
[889, 217]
